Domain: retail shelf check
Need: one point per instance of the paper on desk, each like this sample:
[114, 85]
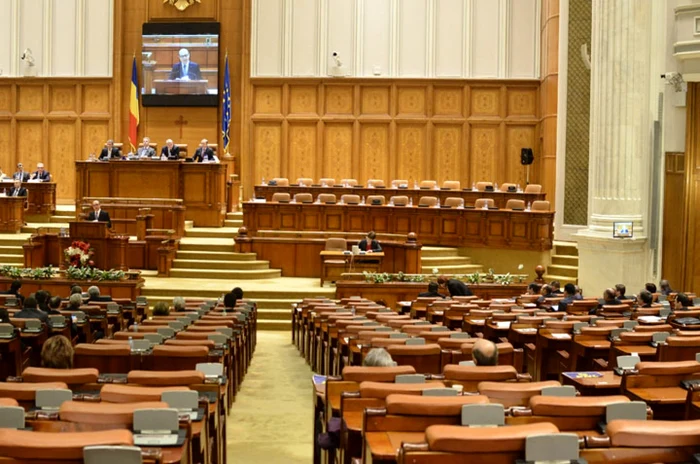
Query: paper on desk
[477, 321]
[650, 319]
[404, 303]
[561, 336]
[503, 324]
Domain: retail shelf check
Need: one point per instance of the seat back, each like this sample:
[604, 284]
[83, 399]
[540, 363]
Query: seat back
[424, 358]
[371, 199]
[375, 183]
[428, 184]
[540, 205]
[113, 359]
[481, 202]
[305, 181]
[454, 202]
[173, 357]
[428, 201]
[505, 187]
[513, 393]
[573, 414]
[326, 198]
[280, 196]
[113, 393]
[56, 446]
[70, 376]
[327, 181]
[481, 186]
[375, 374]
[533, 188]
[515, 204]
[336, 244]
[396, 183]
[303, 198]
[399, 200]
[452, 185]
[349, 182]
[470, 376]
[104, 413]
[350, 199]
[281, 181]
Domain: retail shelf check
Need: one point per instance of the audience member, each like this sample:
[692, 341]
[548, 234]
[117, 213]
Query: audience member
[161, 309]
[41, 174]
[533, 289]
[646, 298]
[54, 306]
[569, 297]
[76, 289]
[545, 292]
[4, 316]
[378, 357]
[17, 190]
[370, 243]
[57, 353]
[94, 293]
[178, 304]
[454, 287]
[665, 287]
[238, 292]
[432, 291]
[230, 301]
[30, 311]
[620, 291]
[75, 302]
[556, 288]
[683, 302]
[609, 298]
[650, 287]
[485, 353]
[15, 287]
[42, 300]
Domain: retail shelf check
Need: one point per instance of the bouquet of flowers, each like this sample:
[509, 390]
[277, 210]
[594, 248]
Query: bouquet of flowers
[78, 254]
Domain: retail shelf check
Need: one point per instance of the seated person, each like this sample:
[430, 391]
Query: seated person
[4, 316]
[161, 309]
[179, 304]
[204, 153]
[569, 296]
[454, 287]
[170, 151]
[485, 353]
[369, 243]
[650, 287]
[75, 302]
[42, 300]
[545, 292]
[94, 293]
[378, 357]
[30, 311]
[76, 289]
[57, 353]
[99, 215]
[620, 290]
[146, 150]
[230, 301]
[41, 174]
[109, 151]
[238, 293]
[185, 70]
[665, 287]
[608, 299]
[15, 287]
[432, 291]
[54, 306]
[17, 190]
[21, 175]
[683, 302]
[556, 288]
[533, 289]
[645, 299]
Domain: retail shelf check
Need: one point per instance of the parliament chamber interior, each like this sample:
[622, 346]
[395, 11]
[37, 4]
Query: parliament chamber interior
[349, 232]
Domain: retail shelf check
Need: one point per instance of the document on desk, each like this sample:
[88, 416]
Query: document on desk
[561, 336]
[583, 375]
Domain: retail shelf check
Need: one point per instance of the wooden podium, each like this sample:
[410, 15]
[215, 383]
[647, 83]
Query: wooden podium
[110, 251]
[12, 213]
[181, 87]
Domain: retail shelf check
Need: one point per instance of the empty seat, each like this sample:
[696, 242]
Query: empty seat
[281, 196]
[349, 182]
[281, 181]
[381, 390]
[454, 202]
[166, 378]
[113, 359]
[533, 188]
[481, 202]
[336, 244]
[470, 376]
[112, 393]
[515, 204]
[411, 405]
[508, 187]
[104, 413]
[424, 358]
[513, 393]
[481, 186]
[399, 200]
[303, 198]
[428, 201]
[375, 374]
[375, 183]
[57, 446]
[540, 205]
[452, 185]
[26, 391]
[654, 434]
[69, 376]
[349, 199]
[327, 181]
[372, 199]
[305, 181]
[428, 184]
[326, 198]
[396, 183]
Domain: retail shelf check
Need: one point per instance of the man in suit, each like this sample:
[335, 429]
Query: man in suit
[30, 311]
[94, 293]
[432, 291]
[170, 151]
[21, 174]
[98, 215]
[369, 243]
[185, 70]
[454, 287]
[109, 151]
[146, 150]
[17, 190]
[204, 153]
[41, 174]
[570, 296]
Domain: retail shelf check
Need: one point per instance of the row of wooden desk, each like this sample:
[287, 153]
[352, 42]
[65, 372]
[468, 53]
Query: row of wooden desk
[465, 227]
[470, 196]
[38, 205]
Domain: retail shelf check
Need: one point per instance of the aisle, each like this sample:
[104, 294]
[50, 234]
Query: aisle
[272, 418]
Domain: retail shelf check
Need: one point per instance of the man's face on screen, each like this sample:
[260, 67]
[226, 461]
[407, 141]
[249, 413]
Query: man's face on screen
[184, 57]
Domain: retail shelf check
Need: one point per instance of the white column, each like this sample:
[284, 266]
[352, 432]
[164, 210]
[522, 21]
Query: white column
[620, 146]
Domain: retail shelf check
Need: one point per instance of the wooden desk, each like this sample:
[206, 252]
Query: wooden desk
[180, 87]
[515, 230]
[12, 214]
[608, 384]
[41, 197]
[370, 262]
[11, 357]
[201, 186]
[469, 196]
[61, 287]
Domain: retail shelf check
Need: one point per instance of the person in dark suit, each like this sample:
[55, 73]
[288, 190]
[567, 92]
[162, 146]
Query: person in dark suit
[170, 151]
[204, 153]
[646, 299]
[432, 291]
[15, 287]
[665, 287]
[21, 174]
[369, 243]
[185, 70]
[556, 288]
[109, 151]
[569, 297]
[97, 214]
[30, 311]
[17, 190]
[454, 287]
[683, 302]
[94, 293]
[41, 174]
[620, 291]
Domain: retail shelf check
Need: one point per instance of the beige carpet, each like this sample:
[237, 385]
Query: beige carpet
[272, 419]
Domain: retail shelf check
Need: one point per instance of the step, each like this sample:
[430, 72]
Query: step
[568, 271]
[221, 246]
[296, 295]
[454, 269]
[212, 232]
[226, 274]
[565, 260]
[12, 250]
[62, 219]
[444, 260]
[219, 264]
[563, 280]
[13, 240]
[432, 252]
[275, 314]
[266, 324]
[214, 255]
[565, 248]
[13, 259]
[33, 227]
[267, 304]
[235, 223]
[235, 215]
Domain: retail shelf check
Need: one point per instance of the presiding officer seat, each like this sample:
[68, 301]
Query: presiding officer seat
[280, 197]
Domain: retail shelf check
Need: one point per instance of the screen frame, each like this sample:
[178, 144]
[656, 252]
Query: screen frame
[156, 28]
[631, 229]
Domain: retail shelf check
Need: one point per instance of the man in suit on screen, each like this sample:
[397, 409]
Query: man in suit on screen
[98, 215]
[185, 70]
[170, 151]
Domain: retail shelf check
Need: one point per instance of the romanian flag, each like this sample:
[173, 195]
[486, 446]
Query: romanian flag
[226, 108]
[134, 108]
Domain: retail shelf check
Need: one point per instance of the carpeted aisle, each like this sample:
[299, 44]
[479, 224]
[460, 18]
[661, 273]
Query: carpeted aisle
[272, 419]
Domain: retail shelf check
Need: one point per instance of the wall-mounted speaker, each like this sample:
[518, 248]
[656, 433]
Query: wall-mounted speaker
[526, 156]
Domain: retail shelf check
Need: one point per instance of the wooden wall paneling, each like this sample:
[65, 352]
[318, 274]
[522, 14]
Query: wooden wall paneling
[94, 134]
[159, 10]
[337, 151]
[302, 150]
[374, 152]
[30, 135]
[267, 150]
[448, 152]
[411, 152]
[673, 246]
[484, 149]
[518, 137]
[62, 155]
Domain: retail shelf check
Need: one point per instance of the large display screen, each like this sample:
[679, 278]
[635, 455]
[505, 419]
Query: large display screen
[180, 64]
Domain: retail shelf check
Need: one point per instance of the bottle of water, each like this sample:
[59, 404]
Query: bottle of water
[362, 201]
[518, 188]
[495, 186]
[438, 203]
[135, 327]
[528, 206]
[410, 201]
[474, 186]
[415, 185]
[263, 181]
[131, 344]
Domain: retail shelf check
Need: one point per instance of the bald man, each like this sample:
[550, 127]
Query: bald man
[41, 174]
[170, 151]
[485, 353]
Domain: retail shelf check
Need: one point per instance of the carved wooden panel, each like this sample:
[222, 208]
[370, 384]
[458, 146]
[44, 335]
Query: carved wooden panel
[518, 137]
[5, 98]
[267, 139]
[522, 102]
[200, 10]
[302, 150]
[411, 153]
[411, 101]
[448, 153]
[7, 160]
[302, 99]
[485, 101]
[62, 153]
[375, 100]
[337, 151]
[448, 101]
[339, 99]
[267, 100]
[30, 98]
[96, 99]
[62, 99]
[374, 151]
[484, 151]
[94, 136]
[29, 151]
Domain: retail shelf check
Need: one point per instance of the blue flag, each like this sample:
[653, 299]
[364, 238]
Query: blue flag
[226, 108]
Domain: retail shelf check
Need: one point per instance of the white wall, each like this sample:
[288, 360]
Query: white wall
[397, 38]
[68, 38]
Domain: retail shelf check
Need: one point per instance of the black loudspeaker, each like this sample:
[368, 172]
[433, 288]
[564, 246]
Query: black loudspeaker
[526, 156]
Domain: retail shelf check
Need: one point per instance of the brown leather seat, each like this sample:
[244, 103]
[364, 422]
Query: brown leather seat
[425, 358]
[305, 181]
[513, 393]
[428, 184]
[336, 244]
[165, 378]
[399, 200]
[576, 406]
[8, 402]
[411, 405]
[515, 204]
[375, 374]
[480, 373]
[26, 391]
[57, 446]
[428, 201]
[350, 199]
[69, 376]
[208, 343]
[396, 183]
[326, 198]
[372, 198]
[478, 204]
[375, 183]
[281, 181]
[112, 393]
[350, 182]
[540, 205]
[533, 188]
[654, 434]
[454, 202]
[328, 181]
[382, 389]
[280, 196]
[667, 368]
[481, 186]
[458, 439]
[505, 186]
[303, 198]
[104, 413]
[452, 185]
